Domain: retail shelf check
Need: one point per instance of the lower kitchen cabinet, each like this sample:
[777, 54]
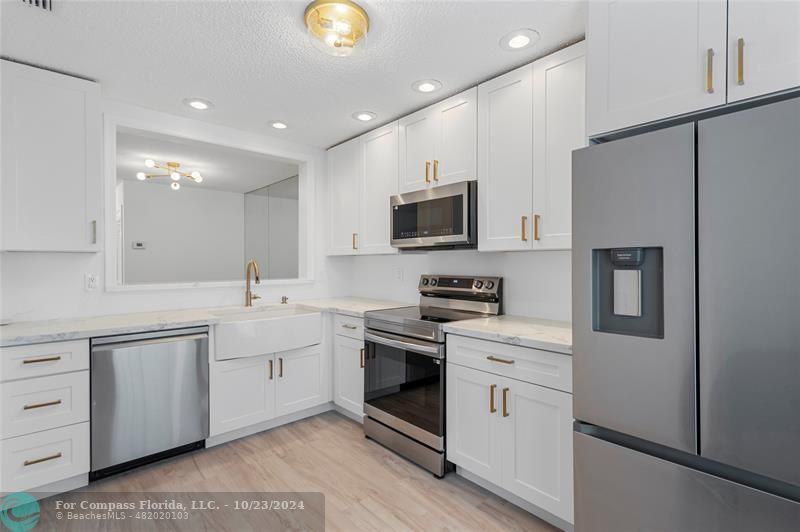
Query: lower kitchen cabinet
[298, 383]
[348, 370]
[514, 434]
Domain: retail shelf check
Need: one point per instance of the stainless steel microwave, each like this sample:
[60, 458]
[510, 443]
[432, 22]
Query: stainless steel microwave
[444, 217]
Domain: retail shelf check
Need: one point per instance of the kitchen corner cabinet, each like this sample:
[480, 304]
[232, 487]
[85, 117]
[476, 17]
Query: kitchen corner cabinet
[648, 61]
[362, 177]
[438, 143]
[530, 120]
[51, 193]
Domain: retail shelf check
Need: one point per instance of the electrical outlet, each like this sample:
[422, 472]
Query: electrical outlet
[90, 281]
[399, 274]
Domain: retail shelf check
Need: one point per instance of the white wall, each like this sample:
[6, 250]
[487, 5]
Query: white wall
[256, 228]
[536, 283]
[36, 286]
[283, 229]
[192, 234]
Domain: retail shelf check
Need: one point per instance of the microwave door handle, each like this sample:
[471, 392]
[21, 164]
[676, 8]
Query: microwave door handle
[428, 350]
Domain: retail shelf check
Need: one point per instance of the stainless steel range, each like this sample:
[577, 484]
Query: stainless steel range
[404, 369]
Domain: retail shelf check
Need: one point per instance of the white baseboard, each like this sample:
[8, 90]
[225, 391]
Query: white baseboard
[518, 501]
[271, 424]
[346, 413]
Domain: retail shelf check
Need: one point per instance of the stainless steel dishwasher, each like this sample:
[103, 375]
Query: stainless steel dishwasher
[149, 397]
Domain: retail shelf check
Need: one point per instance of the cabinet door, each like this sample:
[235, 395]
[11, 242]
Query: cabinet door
[536, 445]
[418, 134]
[473, 421]
[457, 142]
[242, 393]
[299, 380]
[505, 173]
[648, 60]
[379, 184]
[559, 93]
[51, 177]
[349, 374]
[767, 59]
[345, 174]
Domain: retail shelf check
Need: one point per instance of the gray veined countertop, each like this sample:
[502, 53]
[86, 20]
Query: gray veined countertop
[518, 330]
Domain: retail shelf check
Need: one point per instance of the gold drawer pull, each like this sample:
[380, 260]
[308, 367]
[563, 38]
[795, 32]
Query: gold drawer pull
[280, 367]
[361, 361]
[536, 221]
[347, 326]
[427, 171]
[435, 170]
[710, 70]
[524, 223]
[45, 359]
[501, 360]
[355, 240]
[492, 408]
[740, 54]
[505, 402]
[42, 405]
[40, 460]
[270, 370]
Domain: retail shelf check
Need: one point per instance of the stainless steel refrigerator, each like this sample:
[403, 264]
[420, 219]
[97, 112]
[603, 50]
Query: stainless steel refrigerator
[686, 326]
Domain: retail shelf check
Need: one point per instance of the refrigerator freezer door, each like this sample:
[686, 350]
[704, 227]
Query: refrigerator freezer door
[749, 289]
[623, 490]
[637, 192]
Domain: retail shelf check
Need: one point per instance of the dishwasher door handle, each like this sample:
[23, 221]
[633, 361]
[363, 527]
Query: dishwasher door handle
[152, 341]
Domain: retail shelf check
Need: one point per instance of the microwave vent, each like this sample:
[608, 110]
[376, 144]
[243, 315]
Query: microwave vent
[47, 5]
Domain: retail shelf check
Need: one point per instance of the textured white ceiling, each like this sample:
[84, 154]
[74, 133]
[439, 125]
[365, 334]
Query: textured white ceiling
[222, 168]
[253, 59]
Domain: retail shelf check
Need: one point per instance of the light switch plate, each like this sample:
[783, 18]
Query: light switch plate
[628, 293]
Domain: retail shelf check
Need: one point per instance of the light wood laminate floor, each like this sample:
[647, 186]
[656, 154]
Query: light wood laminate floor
[366, 486]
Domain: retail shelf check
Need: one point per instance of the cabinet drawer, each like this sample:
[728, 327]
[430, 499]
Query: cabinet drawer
[23, 361]
[37, 459]
[33, 405]
[349, 326]
[544, 368]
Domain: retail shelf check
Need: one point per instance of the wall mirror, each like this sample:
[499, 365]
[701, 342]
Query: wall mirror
[188, 211]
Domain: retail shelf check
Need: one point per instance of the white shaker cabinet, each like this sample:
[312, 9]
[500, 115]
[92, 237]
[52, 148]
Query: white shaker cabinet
[362, 175]
[348, 355]
[51, 161]
[345, 177]
[531, 119]
[299, 381]
[650, 60]
[438, 144]
[242, 393]
[763, 47]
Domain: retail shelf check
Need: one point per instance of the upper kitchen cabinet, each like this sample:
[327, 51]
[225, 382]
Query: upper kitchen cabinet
[530, 120]
[51, 161]
[652, 60]
[438, 143]
[363, 176]
[763, 47]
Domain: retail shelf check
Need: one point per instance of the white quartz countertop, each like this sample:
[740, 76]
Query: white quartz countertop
[36, 332]
[518, 330]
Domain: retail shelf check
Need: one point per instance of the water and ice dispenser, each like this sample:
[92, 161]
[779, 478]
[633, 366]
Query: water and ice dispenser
[628, 291]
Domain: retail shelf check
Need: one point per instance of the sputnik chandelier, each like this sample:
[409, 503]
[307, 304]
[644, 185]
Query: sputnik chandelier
[173, 172]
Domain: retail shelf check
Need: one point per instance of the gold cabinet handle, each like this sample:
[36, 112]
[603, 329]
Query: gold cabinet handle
[435, 170]
[536, 221]
[94, 231]
[42, 405]
[710, 70]
[361, 359]
[492, 408]
[505, 402]
[524, 223]
[280, 367]
[348, 326]
[355, 240]
[40, 460]
[427, 171]
[501, 360]
[740, 59]
[45, 359]
[270, 370]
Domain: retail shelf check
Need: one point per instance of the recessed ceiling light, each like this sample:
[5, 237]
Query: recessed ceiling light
[519, 39]
[279, 125]
[426, 85]
[364, 116]
[198, 104]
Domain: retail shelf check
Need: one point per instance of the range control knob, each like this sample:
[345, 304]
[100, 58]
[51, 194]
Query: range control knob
[425, 281]
[433, 282]
[478, 284]
[489, 285]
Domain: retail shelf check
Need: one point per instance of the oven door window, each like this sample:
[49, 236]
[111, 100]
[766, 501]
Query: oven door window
[430, 218]
[406, 385]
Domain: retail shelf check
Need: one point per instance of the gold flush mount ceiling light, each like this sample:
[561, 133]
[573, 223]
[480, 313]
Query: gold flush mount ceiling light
[336, 26]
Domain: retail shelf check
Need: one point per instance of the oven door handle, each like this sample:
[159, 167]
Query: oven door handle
[431, 350]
